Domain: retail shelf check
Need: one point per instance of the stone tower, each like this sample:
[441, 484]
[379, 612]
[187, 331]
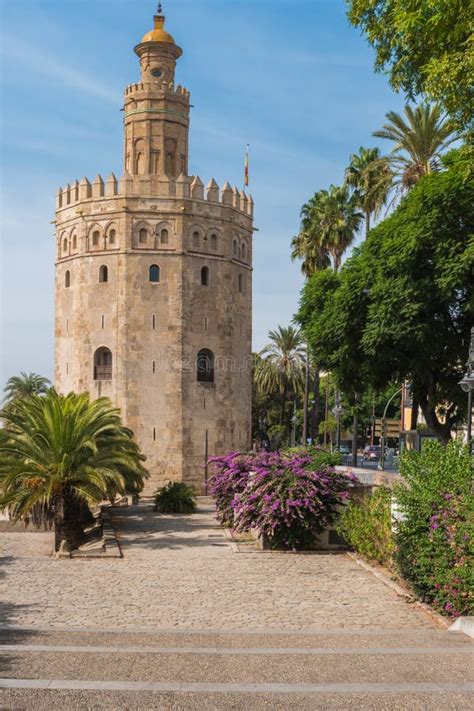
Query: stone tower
[154, 285]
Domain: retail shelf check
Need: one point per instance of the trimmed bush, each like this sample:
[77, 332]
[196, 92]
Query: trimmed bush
[366, 525]
[434, 536]
[319, 457]
[176, 497]
[280, 495]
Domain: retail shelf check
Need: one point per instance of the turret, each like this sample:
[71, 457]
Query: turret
[156, 114]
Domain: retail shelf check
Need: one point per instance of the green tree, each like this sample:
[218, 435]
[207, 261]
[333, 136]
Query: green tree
[370, 176]
[21, 386]
[281, 365]
[419, 138]
[60, 454]
[402, 306]
[425, 46]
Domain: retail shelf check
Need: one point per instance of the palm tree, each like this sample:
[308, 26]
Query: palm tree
[419, 138]
[282, 364]
[339, 219]
[370, 176]
[21, 386]
[60, 454]
[329, 224]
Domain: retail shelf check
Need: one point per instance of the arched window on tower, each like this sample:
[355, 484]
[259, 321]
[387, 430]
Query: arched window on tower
[164, 237]
[74, 241]
[103, 364]
[244, 251]
[205, 366]
[205, 276]
[67, 279]
[213, 241]
[95, 237]
[142, 236]
[236, 248]
[154, 274]
[112, 235]
[196, 239]
[65, 245]
[103, 274]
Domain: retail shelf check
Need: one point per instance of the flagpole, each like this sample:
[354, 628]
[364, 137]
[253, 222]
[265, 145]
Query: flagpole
[246, 167]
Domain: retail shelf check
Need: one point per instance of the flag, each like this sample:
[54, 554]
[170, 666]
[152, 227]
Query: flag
[246, 169]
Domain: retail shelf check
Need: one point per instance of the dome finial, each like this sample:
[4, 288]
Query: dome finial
[159, 9]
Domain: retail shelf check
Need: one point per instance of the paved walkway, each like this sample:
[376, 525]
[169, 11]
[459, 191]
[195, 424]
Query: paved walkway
[182, 622]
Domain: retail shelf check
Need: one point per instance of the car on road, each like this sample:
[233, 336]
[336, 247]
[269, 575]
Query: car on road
[371, 453]
[344, 449]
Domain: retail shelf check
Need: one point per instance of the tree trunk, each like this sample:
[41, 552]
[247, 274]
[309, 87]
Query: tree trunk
[428, 402]
[355, 423]
[367, 223]
[304, 434]
[316, 408]
[283, 404]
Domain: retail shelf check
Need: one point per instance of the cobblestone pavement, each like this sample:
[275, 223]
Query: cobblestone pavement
[179, 571]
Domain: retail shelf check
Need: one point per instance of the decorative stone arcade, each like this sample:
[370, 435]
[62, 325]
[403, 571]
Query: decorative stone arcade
[154, 284]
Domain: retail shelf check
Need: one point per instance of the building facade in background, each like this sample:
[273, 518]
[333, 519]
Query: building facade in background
[154, 285]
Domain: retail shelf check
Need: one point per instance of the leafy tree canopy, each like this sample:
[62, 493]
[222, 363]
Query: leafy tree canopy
[402, 306]
[425, 46]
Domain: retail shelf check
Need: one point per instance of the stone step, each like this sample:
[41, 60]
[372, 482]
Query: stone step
[372, 666]
[339, 638]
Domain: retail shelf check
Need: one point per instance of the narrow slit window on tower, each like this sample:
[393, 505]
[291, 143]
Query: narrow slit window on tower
[213, 241]
[95, 238]
[103, 364]
[154, 274]
[142, 236]
[244, 250]
[205, 276]
[236, 248]
[154, 434]
[153, 322]
[205, 323]
[205, 366]
[241, 283]
[103, 274]
[153, 366]
[74, 242]
[164, 237]
[65, 245]
[102, 319]
[67, 279]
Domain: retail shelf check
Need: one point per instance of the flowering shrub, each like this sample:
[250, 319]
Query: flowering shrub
[230, 477]
[280, 495]
[434, 538]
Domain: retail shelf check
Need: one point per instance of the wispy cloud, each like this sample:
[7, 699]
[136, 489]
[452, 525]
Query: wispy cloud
[36, 60]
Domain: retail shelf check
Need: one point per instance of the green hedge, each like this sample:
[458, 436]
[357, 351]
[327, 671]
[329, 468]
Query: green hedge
[366, 526]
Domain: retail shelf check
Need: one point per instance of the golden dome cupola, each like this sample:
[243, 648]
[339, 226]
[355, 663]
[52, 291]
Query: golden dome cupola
[158, 52]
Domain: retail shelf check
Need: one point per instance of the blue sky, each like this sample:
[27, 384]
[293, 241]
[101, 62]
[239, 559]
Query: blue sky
[291, 78]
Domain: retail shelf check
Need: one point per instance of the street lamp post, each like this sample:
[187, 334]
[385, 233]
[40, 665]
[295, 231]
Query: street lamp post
[467, 384]
[338, 410]
[381, 463]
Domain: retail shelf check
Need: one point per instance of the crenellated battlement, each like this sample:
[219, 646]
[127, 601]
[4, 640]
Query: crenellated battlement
[153, 186]
[165, 87]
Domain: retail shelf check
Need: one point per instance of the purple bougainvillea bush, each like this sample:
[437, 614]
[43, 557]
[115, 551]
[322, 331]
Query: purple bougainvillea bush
[229, 478]
[280, 495]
